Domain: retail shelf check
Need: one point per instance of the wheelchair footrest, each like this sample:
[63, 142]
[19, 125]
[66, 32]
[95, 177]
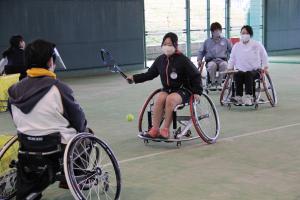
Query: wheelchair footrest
[141, 136]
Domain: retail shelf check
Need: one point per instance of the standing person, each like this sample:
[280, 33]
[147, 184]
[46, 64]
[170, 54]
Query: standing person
[178, 75]
[41, 105]
[13, 60]
[215, 51]
[248, 57]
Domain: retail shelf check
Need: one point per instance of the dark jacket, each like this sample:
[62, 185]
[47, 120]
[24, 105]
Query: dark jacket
[175, 72]
[15, 62]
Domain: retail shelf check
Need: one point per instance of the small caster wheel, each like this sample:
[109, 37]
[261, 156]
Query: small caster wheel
[146, 141]
[207, 91]
[188, 133]
[256, 106]
[178, 144]
[229, 106]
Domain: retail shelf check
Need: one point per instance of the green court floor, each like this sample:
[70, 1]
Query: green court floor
[256, 157]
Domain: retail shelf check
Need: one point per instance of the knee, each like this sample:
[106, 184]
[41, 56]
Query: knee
[223, 66]
[171, 101]
[249, 74]
[160, 100]
[211, 65]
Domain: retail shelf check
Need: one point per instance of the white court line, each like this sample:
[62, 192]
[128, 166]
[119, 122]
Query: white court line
[223, 139]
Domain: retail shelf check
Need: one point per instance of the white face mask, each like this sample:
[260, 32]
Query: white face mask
[216, 34]
[168, 50]
[245, 37]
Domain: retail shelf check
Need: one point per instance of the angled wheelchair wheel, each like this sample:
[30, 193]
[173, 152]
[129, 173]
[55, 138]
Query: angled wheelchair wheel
[8, 167]
[226, 92]
[91, 169]
[205, 118]
[269, 89]
[145, 119]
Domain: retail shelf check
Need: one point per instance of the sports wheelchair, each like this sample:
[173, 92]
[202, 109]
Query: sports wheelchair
[86, 164]
[192, 120]
[206, 78]
[262, 84]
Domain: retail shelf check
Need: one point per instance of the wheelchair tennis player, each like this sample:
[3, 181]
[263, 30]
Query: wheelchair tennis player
[41, 105]
[178, 76]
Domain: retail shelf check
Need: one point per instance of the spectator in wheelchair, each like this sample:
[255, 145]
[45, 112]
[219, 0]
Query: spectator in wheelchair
[41, 105]
[248, 57]
[178, 76]
[13, 60]
[215, 51]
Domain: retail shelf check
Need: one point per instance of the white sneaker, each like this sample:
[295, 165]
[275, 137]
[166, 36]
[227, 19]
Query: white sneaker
[248, 100]
[238, 100]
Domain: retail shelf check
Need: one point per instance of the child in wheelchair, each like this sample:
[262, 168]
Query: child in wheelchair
[46, 116]
[248, 57]
[216, 51]
[178, 75]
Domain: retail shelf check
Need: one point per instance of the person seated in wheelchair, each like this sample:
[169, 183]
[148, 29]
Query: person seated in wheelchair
[13, 60]
[248, 57]
[43, 108]
[178, 75]
[215, 51]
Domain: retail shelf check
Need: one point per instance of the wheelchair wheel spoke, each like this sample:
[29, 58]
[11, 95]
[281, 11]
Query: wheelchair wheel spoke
[79, 156]
[95, 173]
[85, 180]
[206, 119]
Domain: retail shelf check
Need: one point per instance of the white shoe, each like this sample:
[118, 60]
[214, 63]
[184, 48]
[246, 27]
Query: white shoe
[238, 100]
[248, 100]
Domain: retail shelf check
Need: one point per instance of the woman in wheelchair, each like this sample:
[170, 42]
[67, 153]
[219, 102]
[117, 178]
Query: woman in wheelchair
[248, 57]
[44, 110]
[178, 76]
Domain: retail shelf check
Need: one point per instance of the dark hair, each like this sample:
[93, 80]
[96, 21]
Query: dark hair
[38, 53]
[14, 42]
[248, 29]
[215, 26]
[173, 38]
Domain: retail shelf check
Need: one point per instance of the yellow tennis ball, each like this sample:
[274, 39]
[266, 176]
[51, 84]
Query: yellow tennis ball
[130, 117]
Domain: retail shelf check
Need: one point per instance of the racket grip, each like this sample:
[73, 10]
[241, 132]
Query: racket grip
[129, 81]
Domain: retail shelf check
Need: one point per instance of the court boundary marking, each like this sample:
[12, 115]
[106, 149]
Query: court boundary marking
[265, 131]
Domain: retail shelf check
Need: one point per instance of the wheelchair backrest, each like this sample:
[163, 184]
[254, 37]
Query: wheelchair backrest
[45, 143]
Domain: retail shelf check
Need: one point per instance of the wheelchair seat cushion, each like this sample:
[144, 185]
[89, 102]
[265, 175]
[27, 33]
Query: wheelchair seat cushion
[47, 143]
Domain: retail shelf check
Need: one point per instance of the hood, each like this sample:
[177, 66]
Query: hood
[28, 92]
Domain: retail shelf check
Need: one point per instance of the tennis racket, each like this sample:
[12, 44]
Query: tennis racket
[109, 61]
[9, 147]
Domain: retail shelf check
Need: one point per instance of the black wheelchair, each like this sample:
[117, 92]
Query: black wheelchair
[86, 164]
[262, 85]
[191, 120]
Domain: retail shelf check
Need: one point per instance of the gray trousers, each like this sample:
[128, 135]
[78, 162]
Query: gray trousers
[212, 67]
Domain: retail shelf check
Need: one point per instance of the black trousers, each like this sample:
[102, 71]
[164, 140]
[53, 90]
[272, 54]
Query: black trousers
[247, 79]
[31, 178]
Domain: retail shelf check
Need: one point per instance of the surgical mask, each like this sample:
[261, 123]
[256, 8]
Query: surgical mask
[216, 34]
[245, 37]
[168, 50]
